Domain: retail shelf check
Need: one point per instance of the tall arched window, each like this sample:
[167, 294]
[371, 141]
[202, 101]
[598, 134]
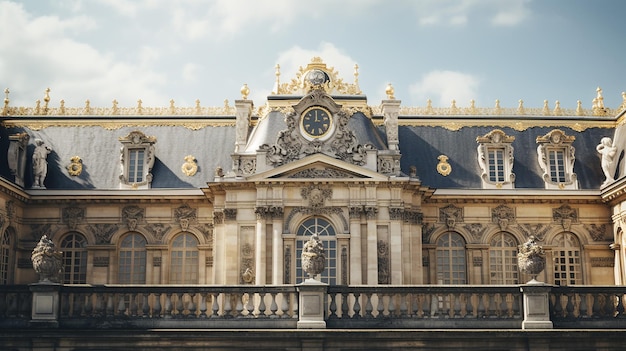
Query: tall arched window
[567, 260]
[74, 247]
[326, 232]
[184, 259]
[132, 256]
[451, 262]
[7, 242]
[503, 259]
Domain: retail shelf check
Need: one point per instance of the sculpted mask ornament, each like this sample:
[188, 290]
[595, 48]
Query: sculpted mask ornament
[47, 261]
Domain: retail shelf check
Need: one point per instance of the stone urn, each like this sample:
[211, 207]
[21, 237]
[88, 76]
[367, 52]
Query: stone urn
[313, 257]
[47, 261]
[531, 259]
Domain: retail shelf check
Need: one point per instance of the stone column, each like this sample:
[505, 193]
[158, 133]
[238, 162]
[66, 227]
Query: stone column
[396, 242]
[277, 246]
[259, 255]
[372, 245]
[218, 256]
[356, 273]
[242, 123]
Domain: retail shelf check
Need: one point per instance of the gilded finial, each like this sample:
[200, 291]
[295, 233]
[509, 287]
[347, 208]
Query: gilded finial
[520, 107]
[557, 109]
[579, 108]
[546, 109]
[5, 110]
[139, 107]
[245, 91]
[389, 91]
[198, 109]
[46, 100]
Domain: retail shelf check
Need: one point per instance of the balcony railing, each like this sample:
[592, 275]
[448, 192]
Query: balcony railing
[278, 307]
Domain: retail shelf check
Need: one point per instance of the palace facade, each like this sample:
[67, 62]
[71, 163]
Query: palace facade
[398, 195]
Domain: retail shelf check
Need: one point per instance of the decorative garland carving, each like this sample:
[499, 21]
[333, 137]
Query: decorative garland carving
[427, 230]
[450, 215]
[476, 229]
[230, 214]
[316, 195]
[185, 215]
[287, 258]
[158, 230]
[596, 231]
[102, 232]
[247, 264]
[344, 265]
[384, 276]
[321, 173]
[539, 231]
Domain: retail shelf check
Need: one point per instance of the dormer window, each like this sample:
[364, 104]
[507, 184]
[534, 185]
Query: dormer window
[495, 157]
[136, 159]
[556, 158]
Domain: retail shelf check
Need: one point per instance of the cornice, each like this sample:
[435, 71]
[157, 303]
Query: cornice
[117, 196]
[518, 196]
[113, 123]
[13, 190]
[615, 192]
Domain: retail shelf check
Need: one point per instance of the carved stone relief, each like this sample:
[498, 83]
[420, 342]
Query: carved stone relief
[321, 173]
[158, 230]
[102, 232]
[73, 216]
[316, 195]
[537, 230]
[597, 232]
[565, 215]
[356, 211]
[338, 211]
[450, 215]
[132, 215]
[384, 276]
[230, 214]
[477, 230]
[269, 212]
[185, 215]
[427, 230]
[503, 216]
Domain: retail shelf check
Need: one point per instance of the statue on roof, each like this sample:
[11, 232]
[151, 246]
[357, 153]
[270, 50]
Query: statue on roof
[40, 164]
[607, 150]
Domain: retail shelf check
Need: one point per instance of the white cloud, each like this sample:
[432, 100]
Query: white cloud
[444, 86]
[456, 13]
[41, 50]
[191, 71]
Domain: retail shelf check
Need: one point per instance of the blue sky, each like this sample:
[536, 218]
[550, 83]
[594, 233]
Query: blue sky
[157, 50]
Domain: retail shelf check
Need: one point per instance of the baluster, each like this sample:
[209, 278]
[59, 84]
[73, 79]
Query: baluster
[191, 306]
[202, 306]
[65, 305]
[469, 305]
[214, 306]
[418, 305]
[273, 306]
[99, 305]
[356, 307]
[609, 307]
[596, 305]
[498, 301]
[294, 298]
[569, 307]
[25, 305]
[434, 304]
[284, 305]
[344, 305]
[620, 305]
[380, 306]
[156, 310]
[121, 305]
[481, 305]
[508, 299]
[168, 306]
[3, 304]
[368, 306]
[584, 306]
[333, 306]
[457, 305]
[403, 306]
[109, 306]
[426, 304]
[145, 306]
[228, 308]
[134, 307]
[250, 305]
[239, 305]
[492, 305]
[392, 305]
[262, 305]
[88, 305]
[77, 306]
[180, 309]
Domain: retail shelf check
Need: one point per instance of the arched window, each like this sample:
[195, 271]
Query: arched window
[74, 247]
[184, 259]
[567, 260]
[326, 232]
[503, 259]
[7, 242]
[132, 256]
[451, 262]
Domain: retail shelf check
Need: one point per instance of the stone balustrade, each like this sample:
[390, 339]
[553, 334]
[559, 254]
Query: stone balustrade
[277, 307]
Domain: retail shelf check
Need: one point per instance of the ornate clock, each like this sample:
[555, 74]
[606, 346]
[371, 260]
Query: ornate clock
[316, 122]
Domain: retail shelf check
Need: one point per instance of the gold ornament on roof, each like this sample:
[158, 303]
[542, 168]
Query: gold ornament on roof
[301, 84]
[75, 168]
[444, 168]
[245, 91]
[390, 92]
[190, 167]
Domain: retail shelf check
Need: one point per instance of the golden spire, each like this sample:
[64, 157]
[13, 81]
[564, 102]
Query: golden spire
[245, 91]
[46, 100]
[5, 110]
[557, 109]
[579, 108]
[389, 91]
[520, 107]
[546, 109]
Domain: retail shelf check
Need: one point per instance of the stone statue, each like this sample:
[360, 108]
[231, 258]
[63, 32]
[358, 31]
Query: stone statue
[40, 165]
[47, 261]
[313, 257]
[531, 258]
[608, 151]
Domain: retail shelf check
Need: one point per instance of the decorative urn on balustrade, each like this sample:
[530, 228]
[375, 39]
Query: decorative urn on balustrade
[313, 257]
[531, 259]
[47, 261]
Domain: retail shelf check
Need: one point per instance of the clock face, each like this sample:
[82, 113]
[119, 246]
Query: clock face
[316, 122]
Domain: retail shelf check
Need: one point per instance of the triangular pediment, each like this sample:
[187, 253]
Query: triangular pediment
[319, 166]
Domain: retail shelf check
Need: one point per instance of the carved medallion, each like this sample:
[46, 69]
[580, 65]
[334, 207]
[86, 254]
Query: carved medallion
[75, 168]
[190, 167]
